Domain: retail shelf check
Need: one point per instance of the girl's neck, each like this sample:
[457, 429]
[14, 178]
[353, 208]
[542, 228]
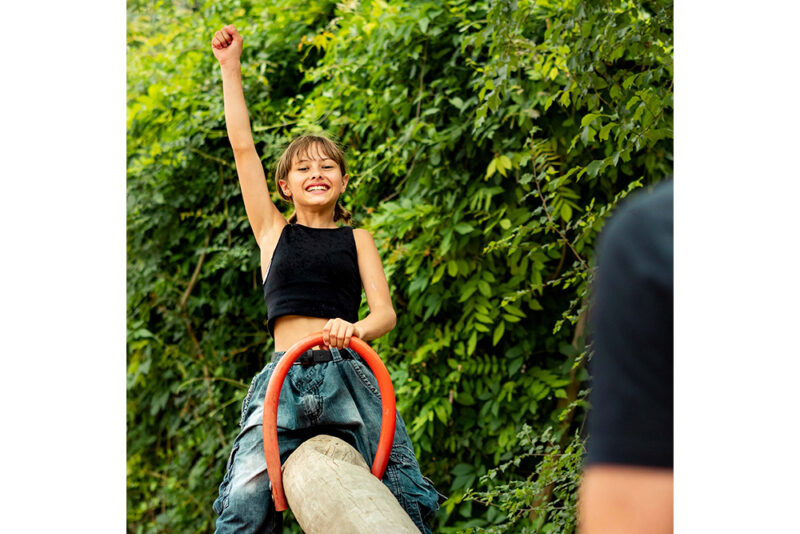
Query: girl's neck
[316, 220]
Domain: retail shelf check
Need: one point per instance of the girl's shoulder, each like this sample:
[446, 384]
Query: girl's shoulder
[363, 239]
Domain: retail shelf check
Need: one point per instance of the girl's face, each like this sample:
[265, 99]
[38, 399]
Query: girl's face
[314, 179]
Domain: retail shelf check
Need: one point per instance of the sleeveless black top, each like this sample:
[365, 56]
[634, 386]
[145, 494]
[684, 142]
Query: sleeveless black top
[313, 272]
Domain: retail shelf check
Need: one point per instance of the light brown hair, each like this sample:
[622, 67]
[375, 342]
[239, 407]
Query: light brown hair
[301, 146]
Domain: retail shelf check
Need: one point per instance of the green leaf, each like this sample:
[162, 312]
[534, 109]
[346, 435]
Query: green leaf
[465, 398]
[464, 228]
[473, 341]
[441, 413]
[566, 212]
[593, 168]
[603, 134]
[452, 268]
[498, 332]
[485, 288]
[484, 318]
[423, 24]
[586, 29]
[438, 274]
[492, 167]
[467, 291]
[589, 118]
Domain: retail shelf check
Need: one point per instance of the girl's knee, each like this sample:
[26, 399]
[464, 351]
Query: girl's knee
[248, 494]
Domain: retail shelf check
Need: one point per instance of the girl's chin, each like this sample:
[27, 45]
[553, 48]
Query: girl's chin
[317, 203]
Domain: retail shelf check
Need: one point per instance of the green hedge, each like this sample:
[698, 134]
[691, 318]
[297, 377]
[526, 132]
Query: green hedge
[488, 141]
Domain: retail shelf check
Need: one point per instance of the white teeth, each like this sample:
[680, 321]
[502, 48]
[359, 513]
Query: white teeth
[317, 188]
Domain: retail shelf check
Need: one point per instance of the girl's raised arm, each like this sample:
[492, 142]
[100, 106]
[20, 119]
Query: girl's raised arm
[264, 217]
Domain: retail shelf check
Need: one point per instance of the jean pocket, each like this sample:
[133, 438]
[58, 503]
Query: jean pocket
[265, 372]
[417, 493]
[224, 489]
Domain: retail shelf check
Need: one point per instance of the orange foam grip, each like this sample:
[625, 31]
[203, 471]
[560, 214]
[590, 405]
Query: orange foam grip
[270, 420]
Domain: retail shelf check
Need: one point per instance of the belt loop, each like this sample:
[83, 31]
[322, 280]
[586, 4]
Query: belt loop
[335, 353]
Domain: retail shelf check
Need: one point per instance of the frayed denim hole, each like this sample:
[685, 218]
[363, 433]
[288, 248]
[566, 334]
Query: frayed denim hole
[313, 404]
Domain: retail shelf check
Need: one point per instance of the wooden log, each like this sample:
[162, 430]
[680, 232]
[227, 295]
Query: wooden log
[330, 490]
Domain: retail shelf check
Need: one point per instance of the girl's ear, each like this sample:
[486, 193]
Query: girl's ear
[345, 179]
[284, 185]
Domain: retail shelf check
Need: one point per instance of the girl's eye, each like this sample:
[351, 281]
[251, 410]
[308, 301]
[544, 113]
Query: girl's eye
[302, 169]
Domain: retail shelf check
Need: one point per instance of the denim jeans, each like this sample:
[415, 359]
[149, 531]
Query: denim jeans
[339, 398]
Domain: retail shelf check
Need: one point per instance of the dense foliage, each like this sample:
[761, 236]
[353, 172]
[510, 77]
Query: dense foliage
[487, 141]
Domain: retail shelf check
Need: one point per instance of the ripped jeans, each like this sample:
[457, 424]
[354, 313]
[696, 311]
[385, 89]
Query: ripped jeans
[339, 398]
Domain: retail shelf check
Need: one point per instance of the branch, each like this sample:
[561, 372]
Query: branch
[212, 158]
[421, 74]
[560, 265]
[195, 274]
[401, 182]
[195, 342]
[195, 379]
[553, 225]
[572, 395]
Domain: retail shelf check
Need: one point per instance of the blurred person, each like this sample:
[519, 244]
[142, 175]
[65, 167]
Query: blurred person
[627, 484]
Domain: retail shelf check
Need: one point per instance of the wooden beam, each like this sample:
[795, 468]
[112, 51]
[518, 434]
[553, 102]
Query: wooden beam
[331, 491]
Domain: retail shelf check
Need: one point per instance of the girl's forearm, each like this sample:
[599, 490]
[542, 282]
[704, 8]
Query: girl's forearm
[376, 324]
[236, 117]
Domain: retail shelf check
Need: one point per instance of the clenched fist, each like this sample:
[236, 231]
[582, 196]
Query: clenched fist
[227, 44]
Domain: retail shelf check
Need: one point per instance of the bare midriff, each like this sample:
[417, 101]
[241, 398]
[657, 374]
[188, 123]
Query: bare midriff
[289, 329]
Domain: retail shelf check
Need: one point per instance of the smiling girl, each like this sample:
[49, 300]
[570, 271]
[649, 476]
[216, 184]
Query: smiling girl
[313, 271]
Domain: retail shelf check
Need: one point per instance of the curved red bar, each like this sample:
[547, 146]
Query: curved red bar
[270, 419]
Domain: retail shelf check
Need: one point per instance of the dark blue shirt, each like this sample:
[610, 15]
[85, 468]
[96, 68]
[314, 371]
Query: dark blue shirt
[631, 416]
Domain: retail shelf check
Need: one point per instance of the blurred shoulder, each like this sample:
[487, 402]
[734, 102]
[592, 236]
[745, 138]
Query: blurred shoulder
[362, 236]
[641, 228]
[652, 207]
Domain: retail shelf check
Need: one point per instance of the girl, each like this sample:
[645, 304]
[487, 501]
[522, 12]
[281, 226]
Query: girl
[313, 272]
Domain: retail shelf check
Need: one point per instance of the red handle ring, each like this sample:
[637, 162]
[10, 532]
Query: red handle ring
[270, 420]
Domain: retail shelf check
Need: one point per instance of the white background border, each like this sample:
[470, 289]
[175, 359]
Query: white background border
[62, 286]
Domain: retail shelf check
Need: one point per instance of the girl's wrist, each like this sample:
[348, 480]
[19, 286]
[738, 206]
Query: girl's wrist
[232, 65]
[358, 330]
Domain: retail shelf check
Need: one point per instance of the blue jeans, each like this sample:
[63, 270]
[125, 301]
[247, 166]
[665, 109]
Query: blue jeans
[339, 398]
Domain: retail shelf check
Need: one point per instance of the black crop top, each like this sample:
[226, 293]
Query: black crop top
[313, 272]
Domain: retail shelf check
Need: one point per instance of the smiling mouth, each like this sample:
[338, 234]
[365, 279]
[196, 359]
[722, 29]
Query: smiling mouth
[315, 188]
